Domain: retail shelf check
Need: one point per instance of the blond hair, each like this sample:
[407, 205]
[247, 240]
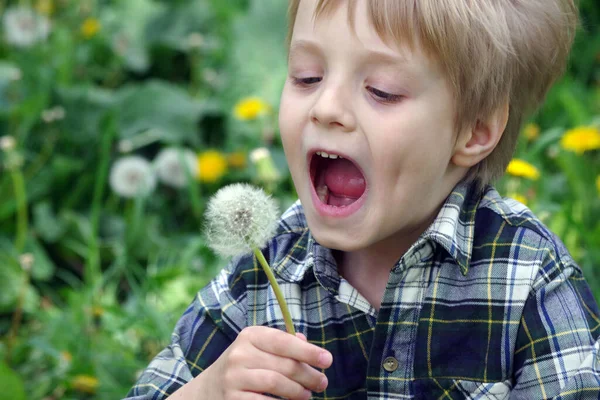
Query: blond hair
[492, 52]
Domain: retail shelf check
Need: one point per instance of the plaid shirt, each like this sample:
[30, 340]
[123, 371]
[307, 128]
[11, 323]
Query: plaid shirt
[487, 304]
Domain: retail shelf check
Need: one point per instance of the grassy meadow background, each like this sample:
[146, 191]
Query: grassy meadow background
[120, 118]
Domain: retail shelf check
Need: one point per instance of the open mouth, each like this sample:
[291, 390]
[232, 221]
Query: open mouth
[337, 180]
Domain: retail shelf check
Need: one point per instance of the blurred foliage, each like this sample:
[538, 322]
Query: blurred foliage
[98, 258]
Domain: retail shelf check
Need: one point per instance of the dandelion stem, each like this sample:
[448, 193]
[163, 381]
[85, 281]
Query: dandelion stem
[92, 271]
[287, 317]
[17, 317]
[21, 198]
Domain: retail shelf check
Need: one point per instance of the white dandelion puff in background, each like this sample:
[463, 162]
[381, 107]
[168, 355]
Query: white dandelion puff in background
[132, 176]
[7, 143]
[239, 218]
[23, 27]
[53, 114]
[173, 165]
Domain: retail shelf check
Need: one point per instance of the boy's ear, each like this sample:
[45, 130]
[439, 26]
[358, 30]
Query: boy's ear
[481, 139]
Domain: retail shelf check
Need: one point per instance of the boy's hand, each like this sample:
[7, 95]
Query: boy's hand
[266, 360]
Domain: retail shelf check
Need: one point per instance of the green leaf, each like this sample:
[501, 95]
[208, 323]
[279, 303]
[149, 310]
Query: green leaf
[47, 225]
[169, 111]
[43, 268]
[85, 105]
[173, 26]
[11, 383]
[8, 73]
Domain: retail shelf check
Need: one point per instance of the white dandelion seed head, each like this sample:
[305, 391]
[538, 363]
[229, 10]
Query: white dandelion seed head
[195, 40]
[53, 114]
[132, 176]
[7, 143]
[23, 27]
[239, 218]
[172, 166]
[259, 154]
[26, 260]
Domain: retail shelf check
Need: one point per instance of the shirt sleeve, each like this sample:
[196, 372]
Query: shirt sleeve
[557, 353]
[209, 325]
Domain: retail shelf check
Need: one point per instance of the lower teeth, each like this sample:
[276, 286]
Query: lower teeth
[323, 193]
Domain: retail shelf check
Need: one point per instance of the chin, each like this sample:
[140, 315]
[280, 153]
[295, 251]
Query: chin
[338, 239]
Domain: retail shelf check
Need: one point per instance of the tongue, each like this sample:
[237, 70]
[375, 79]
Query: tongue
[344, 180]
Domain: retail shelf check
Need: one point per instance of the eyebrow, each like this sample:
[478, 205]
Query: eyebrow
[370, 56]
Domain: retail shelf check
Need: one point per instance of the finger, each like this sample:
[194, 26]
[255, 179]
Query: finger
[301, 336]
[299, 372]
[274, 383]
[251, 396]
[285, 345]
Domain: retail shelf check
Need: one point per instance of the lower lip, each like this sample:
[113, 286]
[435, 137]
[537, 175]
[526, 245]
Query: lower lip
[326, 210]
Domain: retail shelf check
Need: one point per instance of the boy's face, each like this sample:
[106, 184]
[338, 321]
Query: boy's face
[391, 113]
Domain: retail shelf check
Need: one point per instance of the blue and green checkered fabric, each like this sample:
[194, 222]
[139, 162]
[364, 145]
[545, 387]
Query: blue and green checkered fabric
[487, 304]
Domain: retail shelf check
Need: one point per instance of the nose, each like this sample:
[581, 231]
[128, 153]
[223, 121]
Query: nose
[332, 109]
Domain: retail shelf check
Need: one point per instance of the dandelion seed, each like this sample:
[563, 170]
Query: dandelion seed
[240, 217]
[172, 166]
[23, 27]
[132, 176]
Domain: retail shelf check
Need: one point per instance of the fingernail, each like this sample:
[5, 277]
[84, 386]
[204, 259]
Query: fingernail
[325, 358]
[323, 384]
[307, 394]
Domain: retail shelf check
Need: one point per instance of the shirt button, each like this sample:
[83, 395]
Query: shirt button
[390, 364]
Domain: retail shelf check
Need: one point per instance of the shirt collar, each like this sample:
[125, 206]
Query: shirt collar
[453, 228]
[294, 250]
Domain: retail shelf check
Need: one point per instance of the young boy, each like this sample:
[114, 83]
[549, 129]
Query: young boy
[407, 275]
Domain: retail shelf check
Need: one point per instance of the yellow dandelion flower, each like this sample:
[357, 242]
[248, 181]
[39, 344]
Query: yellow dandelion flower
[518, 197]
[237, 159]
[65, 355]
[85, 384]
[531, 131]
[598, 184]
[97, 311]
[581, 139]
[90, 27]
[522, 169]
[250, 108]
[45, 7]
[212, 165]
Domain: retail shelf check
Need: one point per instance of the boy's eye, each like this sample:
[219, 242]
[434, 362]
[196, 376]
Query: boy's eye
[383, 96]
[306, 81]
